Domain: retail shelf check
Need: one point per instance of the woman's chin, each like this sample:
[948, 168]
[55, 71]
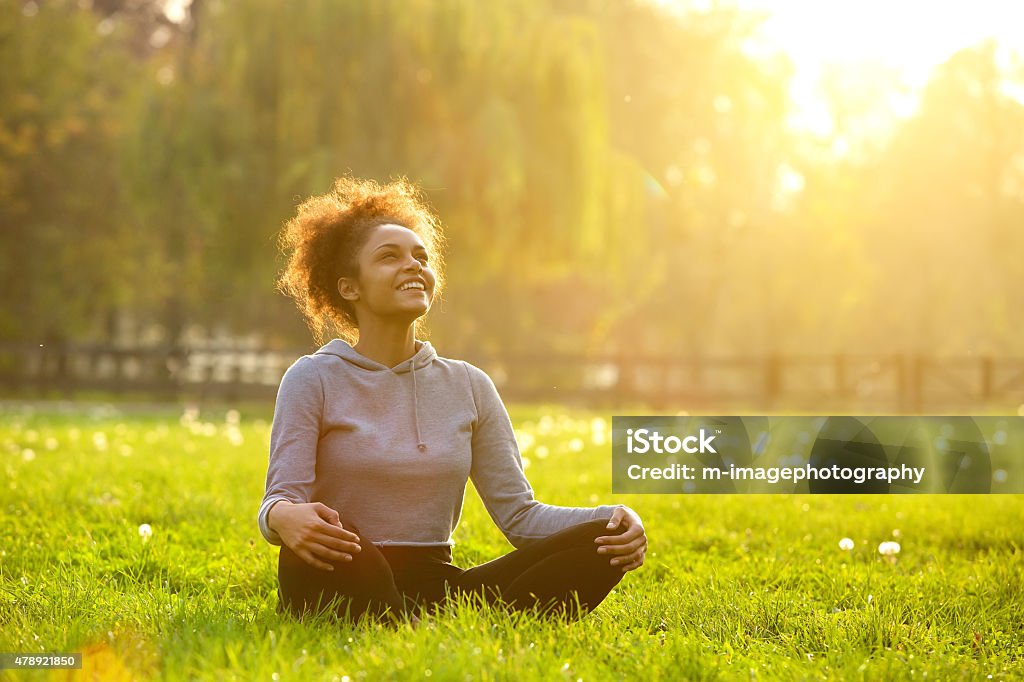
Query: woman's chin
[411, 312]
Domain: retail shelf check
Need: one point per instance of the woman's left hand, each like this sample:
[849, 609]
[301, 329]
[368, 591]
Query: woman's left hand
[629, 547]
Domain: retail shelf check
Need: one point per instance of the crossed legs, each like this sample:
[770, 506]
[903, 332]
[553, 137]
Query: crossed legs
[560, 575]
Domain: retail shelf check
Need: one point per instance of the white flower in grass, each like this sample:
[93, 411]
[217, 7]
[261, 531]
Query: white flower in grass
[145, 532]
[234, 436]
[889, 548]
[28, 454]
[846, 544]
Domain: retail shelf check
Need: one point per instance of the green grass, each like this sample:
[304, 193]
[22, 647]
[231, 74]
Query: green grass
[751, 587]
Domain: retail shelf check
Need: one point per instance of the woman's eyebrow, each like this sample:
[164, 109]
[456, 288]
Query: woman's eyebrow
[397, 246]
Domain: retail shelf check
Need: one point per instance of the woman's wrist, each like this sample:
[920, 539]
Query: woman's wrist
[276, 506]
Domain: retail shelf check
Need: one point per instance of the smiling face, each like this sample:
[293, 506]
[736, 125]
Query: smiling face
[395, 278]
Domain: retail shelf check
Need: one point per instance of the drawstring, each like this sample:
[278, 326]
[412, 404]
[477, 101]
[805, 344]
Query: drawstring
[416, 411]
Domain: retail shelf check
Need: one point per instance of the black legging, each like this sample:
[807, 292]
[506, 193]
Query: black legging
[560, 575]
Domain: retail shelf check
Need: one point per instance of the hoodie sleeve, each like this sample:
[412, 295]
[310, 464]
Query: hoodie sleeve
[293, 441]
[497, 473]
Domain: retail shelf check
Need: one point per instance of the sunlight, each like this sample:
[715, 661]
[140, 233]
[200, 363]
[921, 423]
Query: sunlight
[907, 38]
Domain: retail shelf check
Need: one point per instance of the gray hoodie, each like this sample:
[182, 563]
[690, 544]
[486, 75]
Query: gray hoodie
[391, 449]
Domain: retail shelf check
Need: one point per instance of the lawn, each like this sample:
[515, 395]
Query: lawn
[752, 587]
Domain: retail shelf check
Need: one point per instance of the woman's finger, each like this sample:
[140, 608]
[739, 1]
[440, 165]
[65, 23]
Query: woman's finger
[627, 548]
[630, 534]
[333, 542]
[337, 532]
[632, 556]
[617, 515]
[326, 553]
[310, 559]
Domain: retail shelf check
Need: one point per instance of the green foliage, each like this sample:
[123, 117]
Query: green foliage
[733, 585]
[600, 167]
[63, 239]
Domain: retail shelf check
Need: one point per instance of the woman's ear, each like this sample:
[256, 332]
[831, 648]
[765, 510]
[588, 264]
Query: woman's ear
[348, 289]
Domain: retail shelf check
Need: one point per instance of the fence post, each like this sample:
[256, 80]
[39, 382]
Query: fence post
[624, 386]
[772, 378]
[917, 387]
[902, 397]
[986, 378]
[840, 366]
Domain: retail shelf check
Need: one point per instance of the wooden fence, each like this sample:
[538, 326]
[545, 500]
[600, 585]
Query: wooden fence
[894, 382]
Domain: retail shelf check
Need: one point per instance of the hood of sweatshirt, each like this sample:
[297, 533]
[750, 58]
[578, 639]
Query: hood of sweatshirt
[420, 359]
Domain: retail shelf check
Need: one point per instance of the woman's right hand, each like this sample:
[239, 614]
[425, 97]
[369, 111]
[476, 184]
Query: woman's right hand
[314, 532]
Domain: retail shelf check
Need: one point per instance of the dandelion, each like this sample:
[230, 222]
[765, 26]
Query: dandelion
[51, 443]
[145, 532]
[28, 454]
[889, 548]
[541, 451]
[233, 417]
[575, 445]
[846, 544]
[99, 440]
[896, 533]
[190, 415]
[235, 436]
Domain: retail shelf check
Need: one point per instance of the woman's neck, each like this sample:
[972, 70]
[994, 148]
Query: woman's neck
[388, 346]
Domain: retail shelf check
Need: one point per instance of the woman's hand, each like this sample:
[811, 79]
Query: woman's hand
[314, 532]
[628, 548]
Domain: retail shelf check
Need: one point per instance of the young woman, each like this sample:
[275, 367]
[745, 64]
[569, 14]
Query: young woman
[372, 444]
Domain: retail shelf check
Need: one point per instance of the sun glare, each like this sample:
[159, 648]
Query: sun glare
[903, 39]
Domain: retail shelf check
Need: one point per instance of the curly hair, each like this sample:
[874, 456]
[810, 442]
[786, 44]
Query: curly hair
[322, 243]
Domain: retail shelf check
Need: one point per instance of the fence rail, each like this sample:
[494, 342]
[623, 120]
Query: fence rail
[904, 382]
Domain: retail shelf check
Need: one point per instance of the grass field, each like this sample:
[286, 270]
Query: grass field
[735, 587]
